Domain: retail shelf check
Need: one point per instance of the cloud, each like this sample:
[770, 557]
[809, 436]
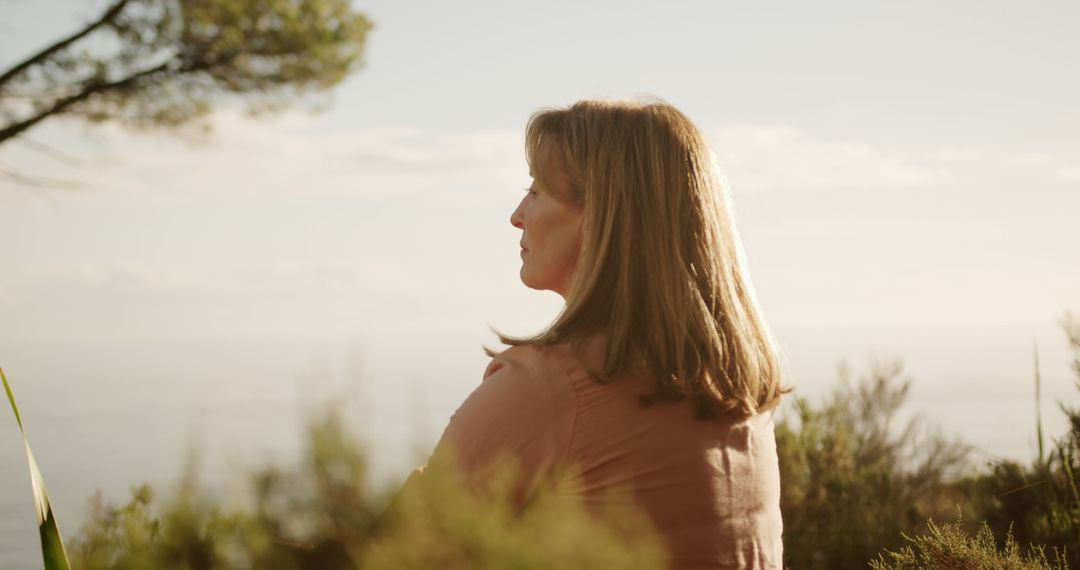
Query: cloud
[295, 155]
[1036, 166]
[291, 278]
[309, 298]
[1068, 173]
[783, 157]
[959, 155]
[292, 155]
[1030, 160]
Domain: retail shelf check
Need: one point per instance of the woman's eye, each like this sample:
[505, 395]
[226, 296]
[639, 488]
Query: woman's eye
[530, 191]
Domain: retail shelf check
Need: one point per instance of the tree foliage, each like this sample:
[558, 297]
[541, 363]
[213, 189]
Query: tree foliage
[166, 63]
[854, 480]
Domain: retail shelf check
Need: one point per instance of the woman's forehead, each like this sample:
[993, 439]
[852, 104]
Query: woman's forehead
[547, 168]
[548, 160]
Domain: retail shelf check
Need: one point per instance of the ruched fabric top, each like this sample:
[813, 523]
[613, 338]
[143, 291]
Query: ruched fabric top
[711, 487]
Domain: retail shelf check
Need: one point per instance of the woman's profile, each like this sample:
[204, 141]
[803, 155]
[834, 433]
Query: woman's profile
[659, 375]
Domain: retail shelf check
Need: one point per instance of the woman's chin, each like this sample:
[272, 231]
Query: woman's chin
[526, 279]
[529, 280]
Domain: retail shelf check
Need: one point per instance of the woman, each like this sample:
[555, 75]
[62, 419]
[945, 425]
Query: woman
[659, 374]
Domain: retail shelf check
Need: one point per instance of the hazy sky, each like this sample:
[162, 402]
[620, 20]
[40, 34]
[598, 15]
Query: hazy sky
[908, 166]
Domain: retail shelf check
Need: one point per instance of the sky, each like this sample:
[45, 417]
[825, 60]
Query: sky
[906, 180]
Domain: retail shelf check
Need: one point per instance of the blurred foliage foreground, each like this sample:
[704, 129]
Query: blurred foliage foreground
[859, 488]
[321, 516]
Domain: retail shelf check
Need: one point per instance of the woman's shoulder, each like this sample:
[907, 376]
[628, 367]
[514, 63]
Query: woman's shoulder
[523, 408]
[536, 361]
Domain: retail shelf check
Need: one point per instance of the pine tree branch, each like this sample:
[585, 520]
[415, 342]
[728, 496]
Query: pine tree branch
[96, 87]
[83, 94]
[44, 54]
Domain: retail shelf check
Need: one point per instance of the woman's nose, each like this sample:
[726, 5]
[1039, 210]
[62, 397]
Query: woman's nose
[516, 219]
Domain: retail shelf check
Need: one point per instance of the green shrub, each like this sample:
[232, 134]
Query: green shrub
[855, 486]
[1040, 503]
[434, 525]
[950, 547]
[321, 516]
[852, 481]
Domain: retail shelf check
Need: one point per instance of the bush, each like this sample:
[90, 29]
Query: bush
[949, 547]
[855, 487]
[1041, 502]
[321, 516]
[852, 482]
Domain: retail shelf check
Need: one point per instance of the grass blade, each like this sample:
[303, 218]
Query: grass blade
[52, 547]
[1038, 407]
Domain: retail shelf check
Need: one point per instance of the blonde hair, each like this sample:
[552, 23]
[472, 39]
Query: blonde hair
[660, 271]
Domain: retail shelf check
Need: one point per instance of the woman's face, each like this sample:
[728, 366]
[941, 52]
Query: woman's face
[550, 232]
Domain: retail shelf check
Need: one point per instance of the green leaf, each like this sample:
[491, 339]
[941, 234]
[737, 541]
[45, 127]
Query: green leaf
[52, 547]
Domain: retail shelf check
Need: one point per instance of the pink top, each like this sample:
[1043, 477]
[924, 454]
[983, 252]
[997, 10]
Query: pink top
[712, 487]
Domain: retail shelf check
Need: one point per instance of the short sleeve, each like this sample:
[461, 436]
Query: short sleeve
[522, 411]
